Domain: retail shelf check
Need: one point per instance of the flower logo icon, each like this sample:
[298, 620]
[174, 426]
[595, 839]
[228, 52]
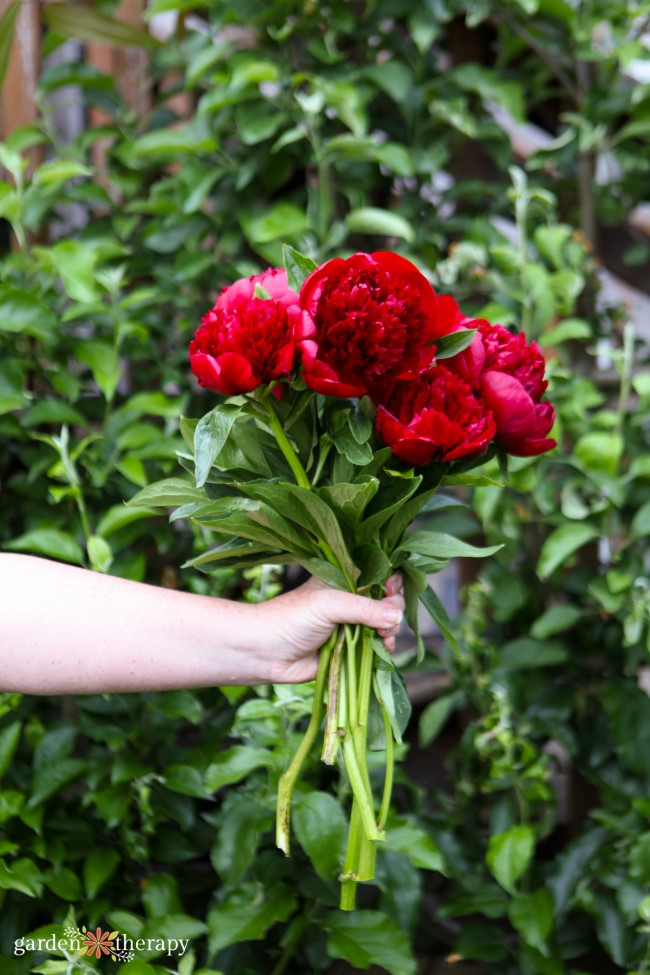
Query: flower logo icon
[101, 942]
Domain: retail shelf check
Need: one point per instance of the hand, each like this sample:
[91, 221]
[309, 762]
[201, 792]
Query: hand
[297, 624]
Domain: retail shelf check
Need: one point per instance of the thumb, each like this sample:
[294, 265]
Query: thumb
[347, 607]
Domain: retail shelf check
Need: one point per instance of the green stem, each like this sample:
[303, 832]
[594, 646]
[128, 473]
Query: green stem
[351, 661]
[321, 463]
[288, 779]
[283, 443]
[350, 873]
[365, 679]
[331, 738]
[360, 792]
[390, 764]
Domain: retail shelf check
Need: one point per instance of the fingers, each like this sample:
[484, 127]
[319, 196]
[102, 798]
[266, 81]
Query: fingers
[394, 584]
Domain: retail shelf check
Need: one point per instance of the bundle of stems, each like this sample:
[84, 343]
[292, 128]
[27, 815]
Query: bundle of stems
[342, 690]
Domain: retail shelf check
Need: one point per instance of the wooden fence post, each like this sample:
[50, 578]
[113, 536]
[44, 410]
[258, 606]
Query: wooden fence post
[18, 97]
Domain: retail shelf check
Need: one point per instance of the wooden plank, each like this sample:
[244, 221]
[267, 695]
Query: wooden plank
[17, 101]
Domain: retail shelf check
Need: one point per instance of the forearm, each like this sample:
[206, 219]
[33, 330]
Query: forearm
[65, 630]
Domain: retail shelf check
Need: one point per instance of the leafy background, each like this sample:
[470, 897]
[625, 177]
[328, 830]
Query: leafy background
[521, 840]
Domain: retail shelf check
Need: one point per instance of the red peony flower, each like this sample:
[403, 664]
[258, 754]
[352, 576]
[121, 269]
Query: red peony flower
[369, 319]
[245, 341]
[434, 417]
[508, 374]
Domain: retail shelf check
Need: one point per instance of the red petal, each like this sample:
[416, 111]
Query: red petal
[511, 406]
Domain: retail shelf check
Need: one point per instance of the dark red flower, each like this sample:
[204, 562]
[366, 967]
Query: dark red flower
[434, 417]
[508, 374]
[245, 341]
[369, 319]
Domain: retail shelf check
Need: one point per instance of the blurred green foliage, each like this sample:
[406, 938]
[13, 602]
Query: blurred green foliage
[352, 126]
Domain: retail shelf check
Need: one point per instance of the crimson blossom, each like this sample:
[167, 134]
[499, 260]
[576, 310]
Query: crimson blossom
[247, 340]
[507, 374]
[370, 319]
[435, 417]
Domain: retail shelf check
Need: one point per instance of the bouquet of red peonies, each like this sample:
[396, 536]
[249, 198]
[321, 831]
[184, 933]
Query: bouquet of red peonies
[349, 393]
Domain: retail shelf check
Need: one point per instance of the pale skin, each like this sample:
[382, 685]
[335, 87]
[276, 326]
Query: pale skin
[66, 630]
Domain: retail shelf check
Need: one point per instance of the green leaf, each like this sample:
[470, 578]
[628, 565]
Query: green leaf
[441, 546]
[52, 411]
[490, 84]
[102, 360]
[170, 493]
[640, 527]
[7, 26]
[450, 345]
[509, 854]
[100, 555]
[392, 693]
[60, 170]
[561, 544]
[321, 829]
[52, 778]
[210, 435]
[248, 914]
[99, 866]
[378, 222]
[22, 875]
[434, 607]
[87, 24]
[280, 220]
[350, 500]
[119, 516]
[365, 938]
[241, 821]
[532, 916]
[75, 262]
[411, 840]
[570, 328]
[25, 314]
[186, 780]
[555, 619]
[235, 764]
[435, 717]
[599, 451]
[48, 541]
[307, 509]
[526, 652]
[297, 266]
[9, 738]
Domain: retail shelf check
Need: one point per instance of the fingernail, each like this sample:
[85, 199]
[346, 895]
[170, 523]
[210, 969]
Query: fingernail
[392, 615]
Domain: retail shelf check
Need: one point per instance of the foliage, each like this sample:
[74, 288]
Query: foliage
[377, 124]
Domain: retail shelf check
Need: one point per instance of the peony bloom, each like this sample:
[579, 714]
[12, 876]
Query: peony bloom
[370, 319]
[508, 375]
[246, 341]
[434, 417]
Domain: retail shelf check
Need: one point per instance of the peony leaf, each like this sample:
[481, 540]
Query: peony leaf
[297, 266]
[392, 693]
[440, 546]
[450, 345]
[169, 493]
[209, 437]
[431, 602]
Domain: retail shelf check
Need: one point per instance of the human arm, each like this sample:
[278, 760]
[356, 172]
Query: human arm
[65, 630]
